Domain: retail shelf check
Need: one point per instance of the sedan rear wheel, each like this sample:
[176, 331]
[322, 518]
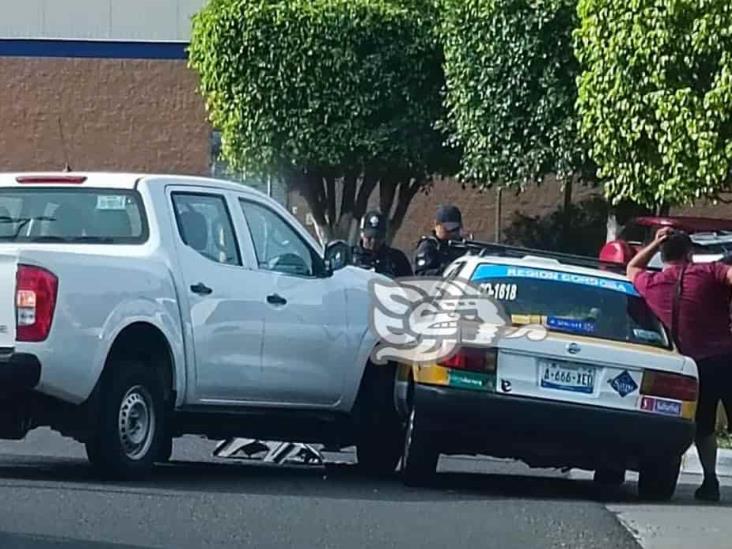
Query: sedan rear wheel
[657, 480]
[609, 477]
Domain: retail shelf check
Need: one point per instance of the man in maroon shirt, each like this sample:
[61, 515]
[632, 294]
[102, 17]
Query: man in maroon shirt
[702, 329]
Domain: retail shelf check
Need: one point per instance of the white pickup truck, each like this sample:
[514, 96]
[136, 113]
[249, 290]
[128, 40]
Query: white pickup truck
[139, 308]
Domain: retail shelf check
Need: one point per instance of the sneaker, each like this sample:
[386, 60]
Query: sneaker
[708, 491]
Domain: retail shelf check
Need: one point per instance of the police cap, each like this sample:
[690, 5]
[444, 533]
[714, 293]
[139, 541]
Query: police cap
[373, 224]
[449, 216]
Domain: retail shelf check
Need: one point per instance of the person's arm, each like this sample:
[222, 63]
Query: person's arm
[640, 260]
[427, 261]
[723, 273]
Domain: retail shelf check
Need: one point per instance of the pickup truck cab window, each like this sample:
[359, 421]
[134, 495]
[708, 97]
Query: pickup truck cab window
[92, 216]
[205, 225]
[277, 245]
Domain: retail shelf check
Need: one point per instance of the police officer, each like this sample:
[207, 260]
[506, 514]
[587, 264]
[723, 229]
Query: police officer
[372, 252]
[434, 253]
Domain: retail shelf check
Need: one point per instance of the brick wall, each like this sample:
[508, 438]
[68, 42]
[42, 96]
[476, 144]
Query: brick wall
[145, 115]
[127, 115]
[478, 208]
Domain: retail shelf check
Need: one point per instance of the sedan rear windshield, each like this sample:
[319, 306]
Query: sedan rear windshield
[103, 216]
[594, 306]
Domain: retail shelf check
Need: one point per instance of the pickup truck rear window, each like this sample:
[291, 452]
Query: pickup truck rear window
[93, 216]
[594, 306]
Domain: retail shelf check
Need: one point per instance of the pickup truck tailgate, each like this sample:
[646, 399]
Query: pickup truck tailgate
[8, 270]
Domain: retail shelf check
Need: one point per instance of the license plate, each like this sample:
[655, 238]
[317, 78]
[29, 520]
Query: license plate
[567, 377]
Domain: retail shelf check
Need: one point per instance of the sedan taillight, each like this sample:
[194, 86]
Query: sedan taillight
[665, 385]
[472, 358]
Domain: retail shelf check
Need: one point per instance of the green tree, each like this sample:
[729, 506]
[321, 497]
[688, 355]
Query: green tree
[655, 97]
[337, 97]
[511, 90]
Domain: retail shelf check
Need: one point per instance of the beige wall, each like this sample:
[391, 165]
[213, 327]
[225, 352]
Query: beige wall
[98, 19]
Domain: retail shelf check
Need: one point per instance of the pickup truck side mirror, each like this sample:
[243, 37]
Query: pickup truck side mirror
[337, 255]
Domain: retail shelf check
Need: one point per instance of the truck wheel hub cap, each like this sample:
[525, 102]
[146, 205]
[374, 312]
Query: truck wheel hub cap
[136, 423]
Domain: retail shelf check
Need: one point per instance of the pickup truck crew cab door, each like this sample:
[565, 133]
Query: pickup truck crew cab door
[306, 352]
[223, 310]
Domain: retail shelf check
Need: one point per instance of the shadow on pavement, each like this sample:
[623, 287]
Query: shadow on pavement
[19, 541]
[333, 482]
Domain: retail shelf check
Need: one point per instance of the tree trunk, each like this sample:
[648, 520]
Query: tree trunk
[324, 233]
[330, 200]
[353, 232]
[499, 213]
[311, 189]
[611, 227]
[387, 193]
[320, 192]
[566, 217]
[368, 184]
[407, 191]
[346, 216]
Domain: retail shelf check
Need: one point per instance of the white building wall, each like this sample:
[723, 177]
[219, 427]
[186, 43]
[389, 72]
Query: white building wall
[144, 20]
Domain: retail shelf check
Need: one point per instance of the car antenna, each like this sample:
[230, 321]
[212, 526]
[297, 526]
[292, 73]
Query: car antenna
[67, 167]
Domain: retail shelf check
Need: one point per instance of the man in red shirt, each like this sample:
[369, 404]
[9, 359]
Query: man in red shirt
[702, 331]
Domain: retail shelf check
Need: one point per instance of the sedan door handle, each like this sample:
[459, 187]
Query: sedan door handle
[276, 299]
[201, 289]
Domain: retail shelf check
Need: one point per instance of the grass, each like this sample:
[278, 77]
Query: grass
[724, 440]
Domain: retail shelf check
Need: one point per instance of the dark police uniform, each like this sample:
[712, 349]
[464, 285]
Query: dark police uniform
[386, 260]
[434, 255]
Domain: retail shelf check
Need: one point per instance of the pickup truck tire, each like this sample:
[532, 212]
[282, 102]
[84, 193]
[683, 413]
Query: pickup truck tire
[657, 479]
[129, 432]
[380, 432]
[419, 464]
[166, 450]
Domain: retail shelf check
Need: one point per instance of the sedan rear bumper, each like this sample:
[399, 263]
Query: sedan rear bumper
[546, 433]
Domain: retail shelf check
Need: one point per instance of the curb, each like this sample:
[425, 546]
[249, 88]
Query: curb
[691, 464]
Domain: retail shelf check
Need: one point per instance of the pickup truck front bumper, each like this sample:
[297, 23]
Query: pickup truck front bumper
[18, 372]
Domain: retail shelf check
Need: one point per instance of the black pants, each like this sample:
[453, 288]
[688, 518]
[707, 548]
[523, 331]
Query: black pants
[715, 384]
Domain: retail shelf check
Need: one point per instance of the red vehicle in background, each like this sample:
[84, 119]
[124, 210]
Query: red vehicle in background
[712, 238]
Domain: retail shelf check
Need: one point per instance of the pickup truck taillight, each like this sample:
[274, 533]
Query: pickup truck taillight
[35, 302]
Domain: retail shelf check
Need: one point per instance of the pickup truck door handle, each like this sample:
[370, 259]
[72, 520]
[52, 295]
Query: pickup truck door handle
[201, 289]
[276, 299]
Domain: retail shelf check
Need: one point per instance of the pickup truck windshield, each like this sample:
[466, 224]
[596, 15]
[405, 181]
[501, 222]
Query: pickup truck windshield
[102, 216]
[594, 306]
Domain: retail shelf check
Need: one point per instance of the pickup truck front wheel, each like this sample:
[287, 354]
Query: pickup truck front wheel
[419, 464]
[380, 432]
[130, 433]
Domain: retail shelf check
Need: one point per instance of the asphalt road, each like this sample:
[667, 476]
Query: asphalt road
[49, 498]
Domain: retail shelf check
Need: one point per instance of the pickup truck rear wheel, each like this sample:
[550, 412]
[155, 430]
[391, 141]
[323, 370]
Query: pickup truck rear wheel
[129, 436]
[380, 431]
